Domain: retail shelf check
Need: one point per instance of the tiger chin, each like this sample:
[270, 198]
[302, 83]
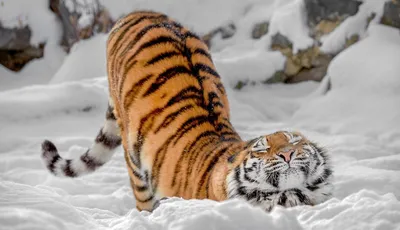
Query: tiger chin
[169, 110]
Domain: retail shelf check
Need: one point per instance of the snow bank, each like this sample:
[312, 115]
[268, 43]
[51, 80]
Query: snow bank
[247, 63]
[39, 101]
[87, 59]
[365, 88]
[353, 25]
[362, 210]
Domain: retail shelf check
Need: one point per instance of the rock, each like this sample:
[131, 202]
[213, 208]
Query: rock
[224, 31]
[308, 64]
[278, 77]
[279, 42]
[15, 48]
[353, 39]
[313, 74]
[259, 30]
[240, 85]
[291, 67]
[15, 38]
[332, 10]
[391, 14]
[15, 60]
[324, 27]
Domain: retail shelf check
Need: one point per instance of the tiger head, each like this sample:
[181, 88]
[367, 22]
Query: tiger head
[283, 168]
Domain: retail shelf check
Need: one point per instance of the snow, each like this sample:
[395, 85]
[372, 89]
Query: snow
[236, 61]
[377, 97]
[357, 121]
[87, 59]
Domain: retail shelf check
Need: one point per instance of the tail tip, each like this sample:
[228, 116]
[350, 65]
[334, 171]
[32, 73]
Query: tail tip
[48, 148]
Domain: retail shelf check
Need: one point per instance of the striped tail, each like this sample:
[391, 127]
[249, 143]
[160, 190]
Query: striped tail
[100, 153]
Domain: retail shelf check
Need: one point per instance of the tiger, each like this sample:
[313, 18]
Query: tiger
[169, 110]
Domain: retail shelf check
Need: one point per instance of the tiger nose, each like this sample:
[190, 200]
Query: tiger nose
[286, 155]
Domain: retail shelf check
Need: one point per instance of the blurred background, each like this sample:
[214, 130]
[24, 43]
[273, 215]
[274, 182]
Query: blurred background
[40, 38]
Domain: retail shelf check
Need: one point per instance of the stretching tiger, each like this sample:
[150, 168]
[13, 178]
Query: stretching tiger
[169, 110]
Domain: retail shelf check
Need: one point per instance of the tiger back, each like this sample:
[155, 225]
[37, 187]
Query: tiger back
[169, 103]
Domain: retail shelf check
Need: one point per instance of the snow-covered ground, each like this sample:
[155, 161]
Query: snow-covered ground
[358, 121]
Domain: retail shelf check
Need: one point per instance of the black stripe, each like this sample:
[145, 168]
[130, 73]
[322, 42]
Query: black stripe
[136, 174]
[197, 146]
[247, 178]
[202, 52]
[52, 163]
[241, 190]
[162, 56]
[141, 34]
[151, 197]
[161, 40]
[206, 68]
[266, 195]
[327, 172]
[68, 170]
[302, 197]
[171, 117]
[141, 188]
[165, 76]
[312, 187]
[48, 146]
[273, 179]
[110, 113]
[190, 92]
[214, 160]
[130, 24]
[110, 142]
[188, 125]
[90, 162]
[131, 95]
[190, 34]
[282, 199]
[128, 67]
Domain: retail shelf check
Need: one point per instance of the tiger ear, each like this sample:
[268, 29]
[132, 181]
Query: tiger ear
[261, 145]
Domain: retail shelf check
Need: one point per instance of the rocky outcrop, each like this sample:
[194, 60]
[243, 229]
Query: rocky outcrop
[331, 10]
[80, 20]
[225, 32]
[15, 48]
[391, 13]
[308, 64]
[259, 30]
[323, 16]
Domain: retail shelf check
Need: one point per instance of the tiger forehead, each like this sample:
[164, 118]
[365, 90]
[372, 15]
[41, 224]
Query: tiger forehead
[279, 138]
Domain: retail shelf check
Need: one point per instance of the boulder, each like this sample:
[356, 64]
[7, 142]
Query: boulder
[225, 32]
[332, 10]
[15, 48]
[259, 30]
[391, 14]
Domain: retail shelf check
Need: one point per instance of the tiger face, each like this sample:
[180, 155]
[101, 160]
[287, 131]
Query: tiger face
[283, 168]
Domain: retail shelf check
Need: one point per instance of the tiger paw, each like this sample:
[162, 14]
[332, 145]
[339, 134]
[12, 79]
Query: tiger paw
[293, 197]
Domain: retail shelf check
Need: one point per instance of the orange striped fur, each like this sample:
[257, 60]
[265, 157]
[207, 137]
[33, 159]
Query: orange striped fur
[171, 107]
